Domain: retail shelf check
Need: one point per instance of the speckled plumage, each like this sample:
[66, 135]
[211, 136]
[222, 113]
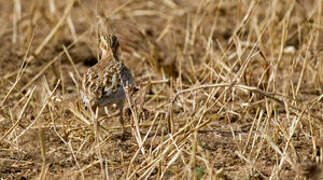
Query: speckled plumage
[103, 84]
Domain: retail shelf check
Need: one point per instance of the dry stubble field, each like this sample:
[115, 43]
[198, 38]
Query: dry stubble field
[229, 89]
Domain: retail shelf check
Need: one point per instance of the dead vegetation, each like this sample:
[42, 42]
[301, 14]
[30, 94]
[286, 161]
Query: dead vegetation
[228, 90]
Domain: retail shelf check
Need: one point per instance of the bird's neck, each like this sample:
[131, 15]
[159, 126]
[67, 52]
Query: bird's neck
[106, 53]
[109, 56]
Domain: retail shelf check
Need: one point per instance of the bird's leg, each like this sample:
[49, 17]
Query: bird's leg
[121, 120]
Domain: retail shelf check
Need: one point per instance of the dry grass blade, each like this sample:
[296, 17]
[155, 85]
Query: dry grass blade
[139, 149]
[20, 115]
[72, 62]
[20, 72]
[43, 154]
[45, 68]
[39, 113]
[137, 130]
[54, 30]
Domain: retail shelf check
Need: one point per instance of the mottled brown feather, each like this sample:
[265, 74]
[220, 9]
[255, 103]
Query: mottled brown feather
[103, 83]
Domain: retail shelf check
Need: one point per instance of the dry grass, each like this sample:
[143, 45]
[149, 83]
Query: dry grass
[228, 90]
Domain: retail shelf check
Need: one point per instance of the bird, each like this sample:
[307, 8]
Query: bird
[106, 83]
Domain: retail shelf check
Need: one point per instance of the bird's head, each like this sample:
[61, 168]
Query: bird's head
[109, 44]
